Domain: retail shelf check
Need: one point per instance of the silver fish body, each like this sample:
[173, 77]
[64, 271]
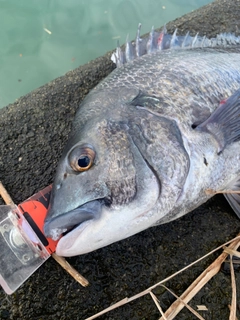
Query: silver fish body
[146, 145]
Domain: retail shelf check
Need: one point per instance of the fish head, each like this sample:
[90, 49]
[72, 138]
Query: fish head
[105, 189]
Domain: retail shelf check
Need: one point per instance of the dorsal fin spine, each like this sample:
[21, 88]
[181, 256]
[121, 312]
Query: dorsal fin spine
[138, 41]
[129, 50]
[184, 43]
[158, 41]
[173, 39]
[194, 41]
[150, 43]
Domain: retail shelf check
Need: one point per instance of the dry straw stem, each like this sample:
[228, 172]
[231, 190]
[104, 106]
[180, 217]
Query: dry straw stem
[197, 285]
[62, 261]
[234, 293]
[210, 271]
[5, 195]
[229, 306]
[233, 305]
[185, 304]
[232, 252]
[73, 272]
[156, 301]
[212, 192]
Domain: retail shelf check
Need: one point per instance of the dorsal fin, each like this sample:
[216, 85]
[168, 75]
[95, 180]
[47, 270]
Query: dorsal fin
[157, 41]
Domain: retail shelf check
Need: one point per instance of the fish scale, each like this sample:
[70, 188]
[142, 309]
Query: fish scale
[201, 75]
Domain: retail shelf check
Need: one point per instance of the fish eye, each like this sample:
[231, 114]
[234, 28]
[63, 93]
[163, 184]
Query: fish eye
[84, 161]
[81, 158]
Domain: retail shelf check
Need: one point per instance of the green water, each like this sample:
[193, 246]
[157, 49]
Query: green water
[43, 39]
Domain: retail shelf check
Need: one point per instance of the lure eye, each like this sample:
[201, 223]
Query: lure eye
[81, 158]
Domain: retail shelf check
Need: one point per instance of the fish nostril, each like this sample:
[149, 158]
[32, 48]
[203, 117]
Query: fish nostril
[65, 175]
[194, 125]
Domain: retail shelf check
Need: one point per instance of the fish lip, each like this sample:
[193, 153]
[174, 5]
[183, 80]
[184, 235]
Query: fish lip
[67, 222]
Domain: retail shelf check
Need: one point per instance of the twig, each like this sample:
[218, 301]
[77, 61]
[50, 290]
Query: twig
[5, 195]
[61, 260]
[196, 286]
[73, 272]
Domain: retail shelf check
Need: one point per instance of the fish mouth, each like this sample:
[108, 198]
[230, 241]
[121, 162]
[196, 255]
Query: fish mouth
[65, 223]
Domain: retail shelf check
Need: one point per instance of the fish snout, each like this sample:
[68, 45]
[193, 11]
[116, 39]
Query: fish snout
[56, 225]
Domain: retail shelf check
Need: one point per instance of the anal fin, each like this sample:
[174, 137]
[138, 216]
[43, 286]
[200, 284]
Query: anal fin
[224, 122]
[234, 198]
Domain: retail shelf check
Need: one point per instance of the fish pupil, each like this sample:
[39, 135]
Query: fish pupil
[83, 161]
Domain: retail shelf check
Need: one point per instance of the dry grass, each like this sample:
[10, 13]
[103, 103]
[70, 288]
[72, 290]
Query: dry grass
[193, 289]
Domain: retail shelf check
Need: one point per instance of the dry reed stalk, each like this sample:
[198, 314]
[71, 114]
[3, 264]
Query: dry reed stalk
[5, 195]
[156, 301]
[147, 291]
[213, 192]
[197, 285]
[72, 271]
[232, 252]
[233, 306]
[61, 260]
[185, 304]
[233, 310]
[229, 306]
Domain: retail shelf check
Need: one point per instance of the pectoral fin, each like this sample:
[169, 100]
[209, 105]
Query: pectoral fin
[234, 198]
[224, 122]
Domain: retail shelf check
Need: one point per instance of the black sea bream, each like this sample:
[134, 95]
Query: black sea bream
[149, 141]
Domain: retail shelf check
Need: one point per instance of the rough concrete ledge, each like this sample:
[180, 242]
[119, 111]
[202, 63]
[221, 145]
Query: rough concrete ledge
[33, 131]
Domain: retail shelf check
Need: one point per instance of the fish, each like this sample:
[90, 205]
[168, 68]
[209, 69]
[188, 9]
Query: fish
[149, 141]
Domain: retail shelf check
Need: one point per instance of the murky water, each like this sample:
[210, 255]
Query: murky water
[43, 39]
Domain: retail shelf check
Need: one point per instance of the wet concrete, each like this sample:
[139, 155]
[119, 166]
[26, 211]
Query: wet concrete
[33, 132]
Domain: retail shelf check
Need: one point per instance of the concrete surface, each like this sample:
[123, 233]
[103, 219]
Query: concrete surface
[33, 131]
